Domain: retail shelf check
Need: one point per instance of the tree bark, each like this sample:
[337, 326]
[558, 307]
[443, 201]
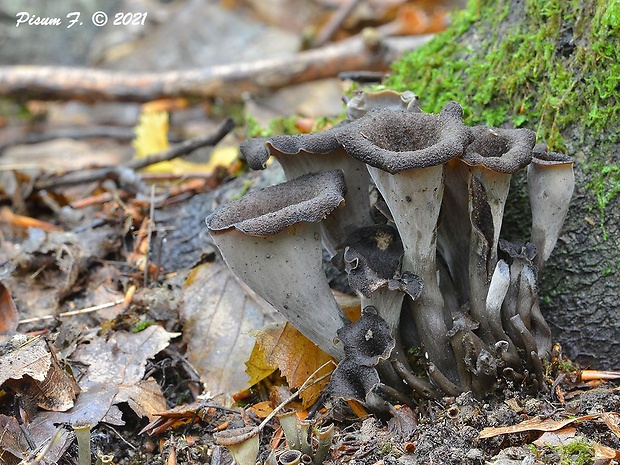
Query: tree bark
[552, 66]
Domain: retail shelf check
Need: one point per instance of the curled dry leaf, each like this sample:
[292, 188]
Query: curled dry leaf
[281, 345]
[9, 318]
[539, 424]
[34, 372]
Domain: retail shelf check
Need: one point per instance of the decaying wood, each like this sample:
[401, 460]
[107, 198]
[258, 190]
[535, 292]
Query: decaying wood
[227, 81]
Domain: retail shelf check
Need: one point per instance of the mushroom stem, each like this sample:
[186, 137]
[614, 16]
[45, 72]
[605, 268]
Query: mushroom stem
[414, 198]
[488, 193]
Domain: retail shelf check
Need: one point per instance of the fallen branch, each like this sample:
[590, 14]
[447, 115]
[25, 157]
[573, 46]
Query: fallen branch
[227, 81]
[184, 148]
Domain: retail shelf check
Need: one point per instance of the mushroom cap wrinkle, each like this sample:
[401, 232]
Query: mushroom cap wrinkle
[398, 140]
[270, 239]
[500, 150]
[300, 154]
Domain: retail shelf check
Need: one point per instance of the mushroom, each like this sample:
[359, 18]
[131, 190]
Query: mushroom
[493, 156]
[405, 152]
[372, 259]
[551, 181]
[300, 154]
[364, 101]
[243, 443]
[270, 239]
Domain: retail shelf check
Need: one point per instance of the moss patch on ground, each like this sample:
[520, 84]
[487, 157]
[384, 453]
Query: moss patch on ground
[543, 67]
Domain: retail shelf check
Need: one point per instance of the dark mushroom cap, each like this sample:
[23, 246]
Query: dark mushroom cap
[542, 157]
[352, 381]
[264, 212]
[501, 150]
[395, 141]
[517, 250]
[368, 339]
[372, 257]
[257, 151]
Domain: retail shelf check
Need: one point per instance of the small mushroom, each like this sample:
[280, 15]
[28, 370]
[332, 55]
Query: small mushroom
[405, 152]
[243, 443]
[300, 154]
[270, 239]
[364, 101]
[551, 181]
[372, 259]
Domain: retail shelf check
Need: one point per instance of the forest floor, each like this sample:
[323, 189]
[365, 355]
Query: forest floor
[117, 314]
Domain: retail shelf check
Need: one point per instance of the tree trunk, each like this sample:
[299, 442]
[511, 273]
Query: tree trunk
[552, 66]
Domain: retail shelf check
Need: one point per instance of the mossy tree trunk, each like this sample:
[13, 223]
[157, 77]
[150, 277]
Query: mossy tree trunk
[552, 66]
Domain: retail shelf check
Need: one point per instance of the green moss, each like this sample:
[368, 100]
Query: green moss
[605, 185]
[578, 452]
[543, 72]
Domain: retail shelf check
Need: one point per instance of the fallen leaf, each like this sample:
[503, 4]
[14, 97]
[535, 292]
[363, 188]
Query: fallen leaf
[557, 438]
[605, 453]
[119, 362]
[30, 359]
[217, 313]
[535, 424]
[296, 356]
[9, 318]
[612, 420]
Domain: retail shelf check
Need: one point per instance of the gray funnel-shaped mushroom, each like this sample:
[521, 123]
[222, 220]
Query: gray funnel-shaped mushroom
[405, 152]
[550, 182]
[494, 155]
[300, 154]
[270, 239]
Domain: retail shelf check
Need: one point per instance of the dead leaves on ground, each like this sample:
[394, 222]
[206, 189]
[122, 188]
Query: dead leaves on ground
[113, 372]
[282, 346]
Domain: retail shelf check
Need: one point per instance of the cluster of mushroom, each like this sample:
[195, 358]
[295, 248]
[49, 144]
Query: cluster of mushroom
[433, 265]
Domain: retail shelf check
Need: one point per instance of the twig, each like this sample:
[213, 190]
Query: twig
[335, 22]
[226, 81]
[292, 397]
[184, 148]
[73, 312]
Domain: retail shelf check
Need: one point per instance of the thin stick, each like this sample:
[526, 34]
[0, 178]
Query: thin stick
[83, 177]
[303, 387]
[73, 312]
[335, 22]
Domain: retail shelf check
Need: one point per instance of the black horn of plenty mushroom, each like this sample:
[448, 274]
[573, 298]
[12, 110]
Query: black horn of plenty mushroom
[472, 296]
[405, 152]
[270, 239]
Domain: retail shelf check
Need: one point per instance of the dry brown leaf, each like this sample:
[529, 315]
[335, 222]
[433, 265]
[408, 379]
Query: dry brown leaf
[296, 356]
[612, 420]
[119, 363]
[30, 359]
[9, 318]
[605, 453]
[557, 438]
[535, 424]
[218, 313]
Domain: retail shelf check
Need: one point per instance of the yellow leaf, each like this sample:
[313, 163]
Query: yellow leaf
[295, 355]
[151, 133]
